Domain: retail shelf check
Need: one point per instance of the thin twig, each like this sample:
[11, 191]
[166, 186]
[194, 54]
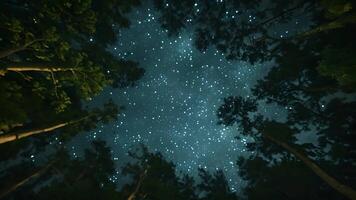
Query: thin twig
[55, 84]
[26, 77]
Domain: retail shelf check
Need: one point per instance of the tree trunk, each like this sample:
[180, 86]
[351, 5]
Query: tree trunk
[25, 180]
[35, 68]
[138, 186]
[9, 137]
[8, 52]
[335, 24]
[341, 188]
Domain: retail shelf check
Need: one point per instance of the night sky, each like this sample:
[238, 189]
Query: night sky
[173, 107]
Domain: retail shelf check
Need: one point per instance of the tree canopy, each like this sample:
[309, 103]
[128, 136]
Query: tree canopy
[55, 59]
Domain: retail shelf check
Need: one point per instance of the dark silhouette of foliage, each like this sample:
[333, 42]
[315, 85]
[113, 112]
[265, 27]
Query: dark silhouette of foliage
[156, 178]
[66, 178]
[55, 53]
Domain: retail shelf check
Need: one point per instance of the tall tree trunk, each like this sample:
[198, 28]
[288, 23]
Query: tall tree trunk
[8, 52]
[38, 68]
[332, 182]
[15, 136]
[25, 180]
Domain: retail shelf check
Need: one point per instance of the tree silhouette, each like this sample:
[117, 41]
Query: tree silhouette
[67, 178]
[274, 132]
[246, 30]
[215, 186]
[57, 52]
[156, 178]
[286, 179]
[240, 30]
[105, 115]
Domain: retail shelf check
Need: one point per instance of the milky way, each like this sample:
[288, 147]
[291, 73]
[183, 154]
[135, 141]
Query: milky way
[172, 109]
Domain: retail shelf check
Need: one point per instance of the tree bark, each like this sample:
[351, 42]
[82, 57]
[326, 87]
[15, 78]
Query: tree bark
[39, 68]
[332, 182]
[8, 52]
[25, 180]
[9, 137]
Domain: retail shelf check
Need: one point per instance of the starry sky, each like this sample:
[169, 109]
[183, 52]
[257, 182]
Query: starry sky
[172, 109]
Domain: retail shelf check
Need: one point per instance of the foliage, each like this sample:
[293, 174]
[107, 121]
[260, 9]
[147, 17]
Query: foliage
[67, 177]
[47, 49]
[272, 182]
[159, 180]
